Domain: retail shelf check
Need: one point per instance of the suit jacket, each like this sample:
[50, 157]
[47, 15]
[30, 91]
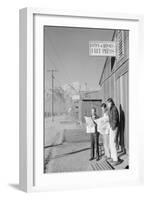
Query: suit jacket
[113, 117]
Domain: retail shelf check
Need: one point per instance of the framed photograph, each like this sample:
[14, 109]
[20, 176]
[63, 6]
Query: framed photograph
[79, 126]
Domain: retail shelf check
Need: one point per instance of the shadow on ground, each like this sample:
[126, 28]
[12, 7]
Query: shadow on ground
[15, 186]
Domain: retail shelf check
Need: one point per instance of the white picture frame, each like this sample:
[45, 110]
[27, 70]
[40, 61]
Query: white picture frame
[31, 174]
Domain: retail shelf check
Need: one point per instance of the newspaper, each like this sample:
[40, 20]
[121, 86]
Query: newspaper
[103, 125]
[90, 126]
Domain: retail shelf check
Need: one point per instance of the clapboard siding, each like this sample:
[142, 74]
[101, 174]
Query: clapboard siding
[114, 83]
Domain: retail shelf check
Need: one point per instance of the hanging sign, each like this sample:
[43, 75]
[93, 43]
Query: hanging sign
[102, 48]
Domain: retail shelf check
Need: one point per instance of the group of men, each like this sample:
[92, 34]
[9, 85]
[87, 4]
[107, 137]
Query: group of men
[109, 135]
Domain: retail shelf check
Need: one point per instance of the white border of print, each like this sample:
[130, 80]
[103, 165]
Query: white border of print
[32, 177]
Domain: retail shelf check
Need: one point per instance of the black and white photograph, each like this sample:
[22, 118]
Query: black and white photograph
[86, 99]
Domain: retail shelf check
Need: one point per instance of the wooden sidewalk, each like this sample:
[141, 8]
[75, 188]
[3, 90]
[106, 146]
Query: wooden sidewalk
[102, 164]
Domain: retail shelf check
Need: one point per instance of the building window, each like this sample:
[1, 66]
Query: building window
[120, 44]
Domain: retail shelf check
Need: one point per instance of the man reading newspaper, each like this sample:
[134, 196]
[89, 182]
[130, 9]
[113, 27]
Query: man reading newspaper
[91, 128]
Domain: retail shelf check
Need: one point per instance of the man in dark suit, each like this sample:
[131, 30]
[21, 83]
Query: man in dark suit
[114, 124]
[94, 137]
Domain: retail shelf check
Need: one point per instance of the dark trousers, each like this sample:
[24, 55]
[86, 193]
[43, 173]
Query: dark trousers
[94, 144]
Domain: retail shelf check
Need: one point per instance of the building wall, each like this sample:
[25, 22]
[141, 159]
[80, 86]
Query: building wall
[115, 82]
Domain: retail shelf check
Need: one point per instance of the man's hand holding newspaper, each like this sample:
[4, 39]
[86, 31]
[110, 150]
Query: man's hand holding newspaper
[90, 126]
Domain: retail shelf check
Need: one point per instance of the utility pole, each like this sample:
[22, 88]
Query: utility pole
[86, 86]
[52, 76]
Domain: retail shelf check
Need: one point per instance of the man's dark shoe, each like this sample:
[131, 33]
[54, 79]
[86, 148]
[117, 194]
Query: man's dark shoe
[116, 162]
[109, 159]
[91, 159]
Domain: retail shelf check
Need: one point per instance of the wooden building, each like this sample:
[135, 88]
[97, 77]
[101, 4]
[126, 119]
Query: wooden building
[114, 83]
[82, 106]
[89, 100]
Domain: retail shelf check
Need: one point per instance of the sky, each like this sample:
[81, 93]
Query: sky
[67, 51]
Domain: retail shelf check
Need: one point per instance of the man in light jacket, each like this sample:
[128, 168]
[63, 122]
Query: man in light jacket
[114, 124]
